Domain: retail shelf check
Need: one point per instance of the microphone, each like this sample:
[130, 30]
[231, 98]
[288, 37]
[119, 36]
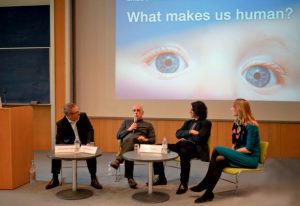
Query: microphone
[134, 121]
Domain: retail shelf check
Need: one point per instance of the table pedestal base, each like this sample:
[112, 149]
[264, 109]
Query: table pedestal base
[69, 194]
[154, 197]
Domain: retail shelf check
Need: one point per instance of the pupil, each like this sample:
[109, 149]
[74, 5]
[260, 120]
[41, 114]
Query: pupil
[257, 76]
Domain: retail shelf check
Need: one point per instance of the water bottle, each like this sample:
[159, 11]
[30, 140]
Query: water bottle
[32, 173]
[109, 170]
[164, 146]
[77, 145]
[0, 102]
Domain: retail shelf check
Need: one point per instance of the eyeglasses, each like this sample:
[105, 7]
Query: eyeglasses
[136, 110]
[77, 112]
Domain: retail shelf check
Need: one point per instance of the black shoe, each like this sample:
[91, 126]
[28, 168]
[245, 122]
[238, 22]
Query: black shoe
[199, 188]
[96, 184]
[115, 164]
[181, 189]
[132, 183]
[53, 183]
[208, 196]
[159, 181]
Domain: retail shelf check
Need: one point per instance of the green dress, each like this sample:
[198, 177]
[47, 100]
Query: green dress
[242, 136]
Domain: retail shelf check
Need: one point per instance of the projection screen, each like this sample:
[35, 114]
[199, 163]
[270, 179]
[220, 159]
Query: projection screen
[165, 54]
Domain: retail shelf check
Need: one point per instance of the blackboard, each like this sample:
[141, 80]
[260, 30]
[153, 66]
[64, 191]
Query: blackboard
[24, 75]
[25, 26]
[25, 54]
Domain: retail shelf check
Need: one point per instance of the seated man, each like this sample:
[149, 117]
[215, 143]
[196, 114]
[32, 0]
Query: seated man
[73, 126]
[133, 131]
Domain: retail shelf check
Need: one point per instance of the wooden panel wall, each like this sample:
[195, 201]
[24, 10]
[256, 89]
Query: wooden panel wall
[60, 64]
[41, 127]
[283, 137]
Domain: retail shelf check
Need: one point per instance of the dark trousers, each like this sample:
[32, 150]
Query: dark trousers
[91, 164]
[214, 172]
[158, 168]
[128, 145]
[186, 150]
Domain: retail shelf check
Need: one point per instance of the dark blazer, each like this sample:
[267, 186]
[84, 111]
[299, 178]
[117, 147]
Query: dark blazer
[200, 140]
[66, 135]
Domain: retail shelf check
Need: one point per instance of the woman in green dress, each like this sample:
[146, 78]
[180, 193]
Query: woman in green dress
[245, 150]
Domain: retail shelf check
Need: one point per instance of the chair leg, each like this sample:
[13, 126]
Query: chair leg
[61, 177]
[236, 182]
[118, 174]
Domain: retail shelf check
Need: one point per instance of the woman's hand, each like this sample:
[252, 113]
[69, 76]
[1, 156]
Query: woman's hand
[194, 132]
[243, 150]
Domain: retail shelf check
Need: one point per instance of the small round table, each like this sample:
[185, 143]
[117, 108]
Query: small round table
[74, 193]
[150, 196]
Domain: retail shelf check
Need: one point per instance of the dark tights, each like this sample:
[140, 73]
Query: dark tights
[187, 151]
[215, 168]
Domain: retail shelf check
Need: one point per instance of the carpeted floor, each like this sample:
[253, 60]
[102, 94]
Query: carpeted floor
[277, 185]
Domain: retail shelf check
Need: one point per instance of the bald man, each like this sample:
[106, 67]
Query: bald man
[136, 131]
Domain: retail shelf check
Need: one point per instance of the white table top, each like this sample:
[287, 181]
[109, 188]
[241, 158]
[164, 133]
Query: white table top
[149, 157]
[73, 156]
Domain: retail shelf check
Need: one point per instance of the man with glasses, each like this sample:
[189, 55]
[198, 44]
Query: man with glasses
[136, 131]
[72, 127]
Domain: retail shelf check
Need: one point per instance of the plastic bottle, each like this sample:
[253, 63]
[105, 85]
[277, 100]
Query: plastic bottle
[32, 173]
[77, 145]
[164, 146]
[0, 102]
[109, 170]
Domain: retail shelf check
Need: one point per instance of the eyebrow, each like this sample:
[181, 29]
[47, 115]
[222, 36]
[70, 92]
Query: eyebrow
[255, 43]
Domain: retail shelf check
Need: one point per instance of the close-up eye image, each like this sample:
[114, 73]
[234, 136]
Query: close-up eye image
[165, 62]
[264, 75]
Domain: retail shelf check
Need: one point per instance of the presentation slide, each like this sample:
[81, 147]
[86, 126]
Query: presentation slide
[207, 50]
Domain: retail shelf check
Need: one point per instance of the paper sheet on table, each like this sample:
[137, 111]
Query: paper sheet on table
[150, 148]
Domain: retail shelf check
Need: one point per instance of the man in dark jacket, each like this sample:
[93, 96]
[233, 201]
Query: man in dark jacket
[74, 126]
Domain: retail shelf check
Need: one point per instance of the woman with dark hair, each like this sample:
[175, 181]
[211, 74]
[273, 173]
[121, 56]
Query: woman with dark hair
[193, 141]
[245, 150]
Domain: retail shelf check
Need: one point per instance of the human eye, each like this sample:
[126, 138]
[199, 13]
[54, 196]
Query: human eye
[166, 62]
[263, 73]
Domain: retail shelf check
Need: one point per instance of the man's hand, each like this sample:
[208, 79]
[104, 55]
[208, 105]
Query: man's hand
[141, 138]
[132, 127]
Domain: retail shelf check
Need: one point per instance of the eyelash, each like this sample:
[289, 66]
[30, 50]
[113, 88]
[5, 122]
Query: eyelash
[263, 75]
[167, 62]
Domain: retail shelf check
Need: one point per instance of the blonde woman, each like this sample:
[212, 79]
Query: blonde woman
[245, 150]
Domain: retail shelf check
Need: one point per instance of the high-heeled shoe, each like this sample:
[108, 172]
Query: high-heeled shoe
[208, 196]
[199, 188]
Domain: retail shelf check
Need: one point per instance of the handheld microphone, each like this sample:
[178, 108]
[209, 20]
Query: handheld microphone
[134, 121]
